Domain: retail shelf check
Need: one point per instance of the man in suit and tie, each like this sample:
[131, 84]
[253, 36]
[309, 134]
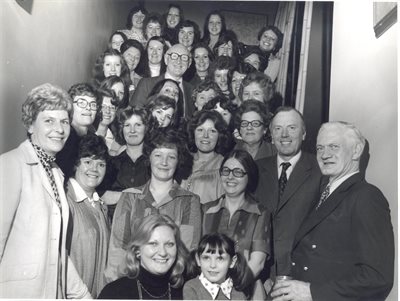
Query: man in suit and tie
[344, 249]
[178, 59]
[289, 185]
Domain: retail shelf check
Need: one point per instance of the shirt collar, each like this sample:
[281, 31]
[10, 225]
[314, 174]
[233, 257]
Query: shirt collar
[169, 76]
[335, 184]
[80, 194]
[213, 288]
[175, 191]
[293, 161]
[249, 206]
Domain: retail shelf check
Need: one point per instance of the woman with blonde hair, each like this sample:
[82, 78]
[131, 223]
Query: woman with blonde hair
[155, 262]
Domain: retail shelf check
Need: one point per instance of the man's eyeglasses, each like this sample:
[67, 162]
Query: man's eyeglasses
[253, 123]
[237, 172]
[111, 108]
[83, 103]
[174, 56]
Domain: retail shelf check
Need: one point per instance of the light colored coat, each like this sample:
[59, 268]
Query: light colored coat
[31, 230]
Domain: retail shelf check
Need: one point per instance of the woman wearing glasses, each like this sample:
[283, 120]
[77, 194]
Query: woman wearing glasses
[237, 215]
[84, 112]
[251, 120]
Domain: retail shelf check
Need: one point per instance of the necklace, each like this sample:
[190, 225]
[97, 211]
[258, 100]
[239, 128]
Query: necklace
[140, 287]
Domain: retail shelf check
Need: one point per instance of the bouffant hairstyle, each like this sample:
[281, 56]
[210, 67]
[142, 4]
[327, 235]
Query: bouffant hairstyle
[98, 71]
[265, 83]
[173, 139]
[45, 97]
[133, 11]
[252, 106]
[277, 32]
[224, 142]
[91, 146]
[124, 114]
[144, 228]
[250, 167]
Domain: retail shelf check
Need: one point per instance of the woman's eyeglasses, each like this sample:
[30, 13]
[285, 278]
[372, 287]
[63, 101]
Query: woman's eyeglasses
[254, 123]
[237, 172]
[83, 103]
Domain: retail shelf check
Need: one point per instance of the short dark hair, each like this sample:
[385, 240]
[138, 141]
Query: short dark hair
[277, 32]
[221, 63]
[169, 138]
[250, 167]
[132, 43]
[91, 146]
[189, 23]
[82, 89]
[153, 18]
[224, 137]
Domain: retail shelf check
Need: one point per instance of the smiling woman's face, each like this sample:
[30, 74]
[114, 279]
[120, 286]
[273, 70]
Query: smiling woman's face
[158, 255]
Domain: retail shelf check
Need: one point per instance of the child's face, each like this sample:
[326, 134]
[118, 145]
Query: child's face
[214, 266]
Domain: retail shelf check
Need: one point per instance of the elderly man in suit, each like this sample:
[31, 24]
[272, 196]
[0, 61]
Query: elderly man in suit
[178, 60]
[344, 249]
[289, 185]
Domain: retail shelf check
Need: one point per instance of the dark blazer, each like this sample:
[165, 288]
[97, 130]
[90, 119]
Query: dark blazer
[345, 249]
[301, 192]
[145, 85]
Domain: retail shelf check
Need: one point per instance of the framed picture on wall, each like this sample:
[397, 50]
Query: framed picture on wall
[385, 15]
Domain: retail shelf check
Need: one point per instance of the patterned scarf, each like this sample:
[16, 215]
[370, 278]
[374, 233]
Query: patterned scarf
[47, 161]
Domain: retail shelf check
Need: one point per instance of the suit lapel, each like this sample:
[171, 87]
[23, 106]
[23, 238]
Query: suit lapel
[315, 217]
[299, 175]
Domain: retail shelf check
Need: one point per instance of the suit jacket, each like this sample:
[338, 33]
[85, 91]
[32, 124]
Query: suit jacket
[33, 231]
[145, 85]
[301, 192]
[345, 249]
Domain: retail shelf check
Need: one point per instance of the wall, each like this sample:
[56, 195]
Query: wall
[364, 92]
[57, 43]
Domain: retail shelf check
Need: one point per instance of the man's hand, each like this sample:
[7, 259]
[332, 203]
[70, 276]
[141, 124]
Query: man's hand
[291, 290]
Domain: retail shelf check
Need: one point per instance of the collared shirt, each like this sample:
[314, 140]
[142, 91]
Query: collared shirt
[293, 161]
[213, 288]
[81, 194]
[169, 76]
[335, 184]
[248, 226]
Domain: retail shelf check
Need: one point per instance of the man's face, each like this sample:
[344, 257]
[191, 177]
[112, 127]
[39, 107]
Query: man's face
[177, 60]
[186, 36]
[287, 133]
[336, 153]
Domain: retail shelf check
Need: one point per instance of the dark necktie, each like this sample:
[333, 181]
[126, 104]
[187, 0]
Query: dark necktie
[324, 196]
[283, 178]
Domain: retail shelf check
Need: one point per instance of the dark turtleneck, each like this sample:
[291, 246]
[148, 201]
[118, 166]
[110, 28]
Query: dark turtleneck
[127, 288]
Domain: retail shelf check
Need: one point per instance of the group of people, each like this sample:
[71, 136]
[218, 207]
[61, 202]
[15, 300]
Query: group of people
[176, 173]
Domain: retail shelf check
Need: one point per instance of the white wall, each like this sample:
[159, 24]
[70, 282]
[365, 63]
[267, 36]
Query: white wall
[364, 92]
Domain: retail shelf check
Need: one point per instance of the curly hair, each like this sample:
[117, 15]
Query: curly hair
[169, 138]
[265, 83]
[226, 104]
[45, 97]
[207, 84]
[124, 114]
[277, 32]
[224, 142]
[91, 146]
[252, 106]
[98, 69]
[250, 167]
[221, 63]
[144, 228]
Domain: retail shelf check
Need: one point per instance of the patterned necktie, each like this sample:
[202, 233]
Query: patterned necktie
[283, 178]
[47, 161]
[324, 196]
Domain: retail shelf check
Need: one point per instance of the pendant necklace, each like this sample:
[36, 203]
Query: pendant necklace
[140, 287]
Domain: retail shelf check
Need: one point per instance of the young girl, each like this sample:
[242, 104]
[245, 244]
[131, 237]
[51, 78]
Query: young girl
[221, 270]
